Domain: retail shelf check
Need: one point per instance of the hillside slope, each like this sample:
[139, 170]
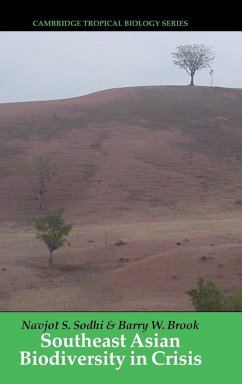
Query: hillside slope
[157, 167]
[124, 150]
[119, 151]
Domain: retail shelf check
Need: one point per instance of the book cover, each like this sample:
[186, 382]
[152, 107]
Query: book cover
[120, 204]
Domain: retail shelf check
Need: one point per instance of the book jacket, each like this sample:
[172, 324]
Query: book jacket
[121, 199]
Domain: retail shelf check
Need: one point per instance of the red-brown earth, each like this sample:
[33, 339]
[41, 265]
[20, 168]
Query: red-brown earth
[157, 167]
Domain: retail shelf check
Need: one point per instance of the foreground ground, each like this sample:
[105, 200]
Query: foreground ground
[152, 271]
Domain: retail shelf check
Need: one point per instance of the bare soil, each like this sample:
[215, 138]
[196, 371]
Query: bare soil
[152, 271]
[156, 167]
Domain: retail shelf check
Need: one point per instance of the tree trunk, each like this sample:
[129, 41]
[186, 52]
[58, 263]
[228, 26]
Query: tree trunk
[39, 195]
[51, 258]
[192, 76]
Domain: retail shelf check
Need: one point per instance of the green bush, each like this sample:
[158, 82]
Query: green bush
[233, 302]
[206, 297]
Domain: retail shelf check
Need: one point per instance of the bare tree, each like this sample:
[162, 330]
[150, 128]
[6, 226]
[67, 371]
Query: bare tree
[192, 58]
[39, 174]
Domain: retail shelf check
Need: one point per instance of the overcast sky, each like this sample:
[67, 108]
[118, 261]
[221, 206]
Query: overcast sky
[57, 65]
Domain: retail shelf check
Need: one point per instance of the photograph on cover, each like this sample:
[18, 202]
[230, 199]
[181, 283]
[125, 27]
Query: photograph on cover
[121, 171]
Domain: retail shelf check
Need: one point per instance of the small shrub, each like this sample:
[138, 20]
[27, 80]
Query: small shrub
[120, 242]
[233, 302]
[124, 259]
[206, 297]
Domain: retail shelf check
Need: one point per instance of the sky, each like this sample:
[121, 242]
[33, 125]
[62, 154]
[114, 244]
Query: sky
[59, 65]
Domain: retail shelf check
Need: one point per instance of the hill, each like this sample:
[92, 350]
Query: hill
[130, 161]
[126, 150]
